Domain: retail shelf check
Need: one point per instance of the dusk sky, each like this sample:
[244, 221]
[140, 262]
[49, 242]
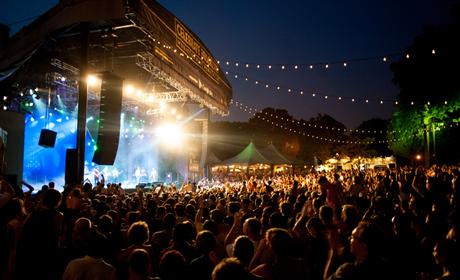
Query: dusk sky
[298, 33]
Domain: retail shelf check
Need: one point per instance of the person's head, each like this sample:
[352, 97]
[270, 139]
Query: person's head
[286, 209]
[322, 181]
[278, 221]
[105, 223]
[179, 209]
[315, 227]
[217, 216]
[243, 249]
[138, 233]
[172, 266]
[97, 245]
[279, 241]
[180, 232]
[169, 220]
[350, 215]
[252, 228]
[51, 199]
[205, 242]
[326, 214]
[211, 226]
[366, 241]
[139, 263]
[229, 269]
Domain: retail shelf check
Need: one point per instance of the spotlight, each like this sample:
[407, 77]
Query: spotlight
[91, 80]
[169, 134]
[129, 89]
[63, 79]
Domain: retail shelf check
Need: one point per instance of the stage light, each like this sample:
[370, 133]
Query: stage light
[139, 93]
[151, 98]
[5, 108]
[173, 111]
[162, 105]
[5, 98]
[91, 80]
[31, 92]
[129, 89]
[63, 79]
[32, 119]
[169, 134]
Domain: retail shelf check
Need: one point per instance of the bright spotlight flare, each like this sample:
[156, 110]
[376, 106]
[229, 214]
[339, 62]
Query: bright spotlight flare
[92, 80]
[169, 134]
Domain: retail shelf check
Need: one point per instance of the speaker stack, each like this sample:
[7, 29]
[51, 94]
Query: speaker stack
[47, 138]
[109, 119]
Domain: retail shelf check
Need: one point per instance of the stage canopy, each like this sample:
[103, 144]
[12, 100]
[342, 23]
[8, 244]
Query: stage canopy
[138, 40]
[168, 75]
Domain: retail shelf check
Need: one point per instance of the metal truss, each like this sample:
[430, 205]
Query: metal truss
[146, 61]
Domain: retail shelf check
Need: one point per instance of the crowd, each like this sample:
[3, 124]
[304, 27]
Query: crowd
[391, 224]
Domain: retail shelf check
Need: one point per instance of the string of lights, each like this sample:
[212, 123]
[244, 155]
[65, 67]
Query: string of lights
[319, 95]
[268, 117]
[343, 63]
[253, 110]
[303, 132]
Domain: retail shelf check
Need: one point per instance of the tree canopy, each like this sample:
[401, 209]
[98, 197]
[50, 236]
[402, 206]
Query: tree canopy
[429, 97]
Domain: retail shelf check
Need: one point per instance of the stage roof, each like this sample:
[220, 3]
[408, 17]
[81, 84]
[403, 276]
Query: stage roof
[138, 40]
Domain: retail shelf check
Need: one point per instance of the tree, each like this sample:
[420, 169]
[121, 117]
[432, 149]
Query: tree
[429, 97]
[374, 131]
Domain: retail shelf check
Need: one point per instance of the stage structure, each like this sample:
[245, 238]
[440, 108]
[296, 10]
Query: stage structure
[57, 62]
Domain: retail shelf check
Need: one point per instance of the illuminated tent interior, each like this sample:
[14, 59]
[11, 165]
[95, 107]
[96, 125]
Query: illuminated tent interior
[251, 160]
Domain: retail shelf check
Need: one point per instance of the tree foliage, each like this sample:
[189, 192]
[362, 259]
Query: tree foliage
[429, 97]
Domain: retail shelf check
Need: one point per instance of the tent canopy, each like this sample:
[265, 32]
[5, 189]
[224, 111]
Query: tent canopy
[272, 154]
[249, 156]
[212, 159]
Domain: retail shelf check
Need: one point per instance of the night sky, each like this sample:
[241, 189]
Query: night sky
[302, 33]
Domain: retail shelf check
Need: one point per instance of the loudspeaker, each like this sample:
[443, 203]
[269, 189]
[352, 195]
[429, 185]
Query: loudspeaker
[71, 166]
[109, 119]
[47, 138]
